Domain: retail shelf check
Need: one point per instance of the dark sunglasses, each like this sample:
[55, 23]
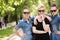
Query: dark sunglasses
[26, 12]
[53, 10]
[41, 10]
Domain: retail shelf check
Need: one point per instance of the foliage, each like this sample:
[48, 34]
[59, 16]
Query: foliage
[14, 8]
[6, 32]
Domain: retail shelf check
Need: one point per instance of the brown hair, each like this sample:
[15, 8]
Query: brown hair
[25, 7]
[54, 4]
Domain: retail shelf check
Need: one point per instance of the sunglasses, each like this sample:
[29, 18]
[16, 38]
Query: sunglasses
[53, 10]
[26, 12]
[41, 10]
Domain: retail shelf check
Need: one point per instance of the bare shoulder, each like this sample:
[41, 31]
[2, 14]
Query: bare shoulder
[36, 17]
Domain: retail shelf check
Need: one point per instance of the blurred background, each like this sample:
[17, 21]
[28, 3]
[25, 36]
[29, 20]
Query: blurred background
[11, 12]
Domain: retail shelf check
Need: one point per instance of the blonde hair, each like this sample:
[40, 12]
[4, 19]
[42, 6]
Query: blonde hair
[41, 6]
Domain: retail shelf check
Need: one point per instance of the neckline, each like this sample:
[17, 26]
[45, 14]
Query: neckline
[26, 21]
[41, 21]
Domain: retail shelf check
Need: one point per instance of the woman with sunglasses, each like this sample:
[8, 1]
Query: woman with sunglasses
[26, 25]
[41, 25]
[55, 23]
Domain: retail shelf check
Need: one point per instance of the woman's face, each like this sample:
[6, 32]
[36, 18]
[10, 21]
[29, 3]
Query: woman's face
[26, 15]
[41, 11]
[53, 10]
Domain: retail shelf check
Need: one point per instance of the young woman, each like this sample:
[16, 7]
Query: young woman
[55, 23]
[26, 25]
[41, 25]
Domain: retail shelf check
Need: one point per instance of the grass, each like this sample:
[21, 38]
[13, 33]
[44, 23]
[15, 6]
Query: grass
[6, 32]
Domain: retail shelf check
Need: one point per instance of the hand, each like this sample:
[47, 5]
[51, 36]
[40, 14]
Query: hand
[57, 32]
[23, 35]
[46, 28]
[42, 17]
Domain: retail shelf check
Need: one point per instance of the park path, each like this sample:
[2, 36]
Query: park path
[9, 25]
[12, 36]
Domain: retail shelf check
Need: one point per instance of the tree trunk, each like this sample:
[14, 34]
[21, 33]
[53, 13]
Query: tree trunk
[49, 3]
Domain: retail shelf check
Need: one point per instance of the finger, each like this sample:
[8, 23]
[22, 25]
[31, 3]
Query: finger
[44, 23]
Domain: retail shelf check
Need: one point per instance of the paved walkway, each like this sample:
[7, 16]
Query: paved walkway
[12, 36]
[8, 25]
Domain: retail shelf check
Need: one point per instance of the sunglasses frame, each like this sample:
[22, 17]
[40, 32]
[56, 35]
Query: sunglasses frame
[26, 12]
[41, 10]
[53, 10]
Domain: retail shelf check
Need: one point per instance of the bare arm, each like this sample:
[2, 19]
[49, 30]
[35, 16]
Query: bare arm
[18, 34]
[37, 31]
[46, 27]
[34, 28]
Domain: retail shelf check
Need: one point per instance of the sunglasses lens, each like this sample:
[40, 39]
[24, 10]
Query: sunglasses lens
[26, 12]
[53, 10]
[41, 10]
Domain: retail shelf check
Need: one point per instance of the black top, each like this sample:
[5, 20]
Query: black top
[39, 26]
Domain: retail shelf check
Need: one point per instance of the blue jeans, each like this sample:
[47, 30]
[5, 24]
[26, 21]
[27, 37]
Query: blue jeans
[54, 36]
